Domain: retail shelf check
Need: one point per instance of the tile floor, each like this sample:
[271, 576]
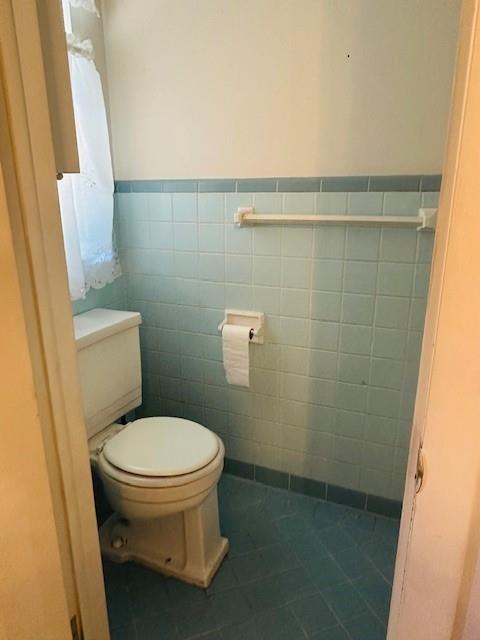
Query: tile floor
[298, 568]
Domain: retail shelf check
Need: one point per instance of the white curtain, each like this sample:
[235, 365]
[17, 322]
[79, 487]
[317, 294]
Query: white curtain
[86, 199]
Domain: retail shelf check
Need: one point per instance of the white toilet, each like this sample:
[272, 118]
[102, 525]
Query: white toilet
[160, 474]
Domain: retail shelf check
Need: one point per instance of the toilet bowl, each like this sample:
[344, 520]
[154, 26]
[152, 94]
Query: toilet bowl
[160, 474]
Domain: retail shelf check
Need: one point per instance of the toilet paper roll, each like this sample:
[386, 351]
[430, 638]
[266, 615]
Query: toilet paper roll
[236, 359]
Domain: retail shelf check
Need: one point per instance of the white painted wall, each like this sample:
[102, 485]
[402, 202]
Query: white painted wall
[222, 88]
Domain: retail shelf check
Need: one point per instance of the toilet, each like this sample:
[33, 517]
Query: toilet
[160, 474]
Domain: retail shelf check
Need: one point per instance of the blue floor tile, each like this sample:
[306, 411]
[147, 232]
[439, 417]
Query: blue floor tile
[325, 572]
[183, 596]
[335, 538]
[345, 601]
[245, 631]
[313, 613]
[118, 607]
[264, 594]
[224, 579]
[231, 607]
[334, 633]
[376, 591]
[278, 624]
[241, 542]
[248, 567]
[295, 584]
[278, 558]
[154, 627]
[366, 627]
[147, 591]
[196, 620]
[353, 562]
[124, 633]
[298, 567]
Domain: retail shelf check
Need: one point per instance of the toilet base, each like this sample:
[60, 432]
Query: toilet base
[185, 545]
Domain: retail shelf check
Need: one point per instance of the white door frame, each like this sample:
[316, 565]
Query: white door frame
[432, 561]
[28, 161]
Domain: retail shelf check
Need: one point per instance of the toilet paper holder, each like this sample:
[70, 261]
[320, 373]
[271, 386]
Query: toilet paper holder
[253, 319]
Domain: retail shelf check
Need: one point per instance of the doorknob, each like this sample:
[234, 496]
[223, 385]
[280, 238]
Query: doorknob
[420, 472]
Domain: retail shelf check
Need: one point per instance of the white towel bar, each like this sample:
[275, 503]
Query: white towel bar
[426, 219]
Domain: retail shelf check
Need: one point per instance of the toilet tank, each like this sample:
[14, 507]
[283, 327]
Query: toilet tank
[108, 349]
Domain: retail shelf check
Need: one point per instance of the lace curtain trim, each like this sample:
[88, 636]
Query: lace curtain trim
[88, 5]
[77, 47]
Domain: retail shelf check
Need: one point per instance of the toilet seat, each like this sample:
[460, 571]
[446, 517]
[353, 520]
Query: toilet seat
[184, 482]
[161, 447]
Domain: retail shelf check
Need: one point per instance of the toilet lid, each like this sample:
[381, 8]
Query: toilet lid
[161, 447]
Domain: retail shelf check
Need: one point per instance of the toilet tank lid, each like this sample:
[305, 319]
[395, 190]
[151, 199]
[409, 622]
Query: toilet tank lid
[97, 324]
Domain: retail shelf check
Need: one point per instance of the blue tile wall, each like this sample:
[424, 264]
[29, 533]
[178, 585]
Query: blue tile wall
[333, 386]
[112, 296]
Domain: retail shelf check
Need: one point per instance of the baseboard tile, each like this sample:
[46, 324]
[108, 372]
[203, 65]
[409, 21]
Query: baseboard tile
[306, 486]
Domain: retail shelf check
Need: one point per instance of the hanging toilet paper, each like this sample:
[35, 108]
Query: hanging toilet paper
[236, 359]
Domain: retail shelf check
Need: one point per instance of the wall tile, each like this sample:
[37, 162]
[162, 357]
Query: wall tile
[159, 206]
[294, 360]
[266, 271]
[326, 306]
[329, 242]
[395, 279]
[360, 277]
[239, 269]
[353, 368]
[299, 203]
[355, 339]
[365, 204]
[185, 264]
[297, 243]
[398, 245]
[324, 335]
[185, 236]
[349, 423]
[211, 207]
[211, 267]
[327, 275]
[362, 244]
[239, 240]
[421, 280]
[184, 207]
[161, 235]
[296, 273]
[402, 204]
[293, 331]
[267, 241]
[239, 296]
[295, 303]
[389, 343]
[331, 396]
[331, 203]
[235, 200]
[392, 312]
[323, 364]
[211, 237]
[268, 202]
[267, 299]
[386, 373]
[352, 397]
[357, 308]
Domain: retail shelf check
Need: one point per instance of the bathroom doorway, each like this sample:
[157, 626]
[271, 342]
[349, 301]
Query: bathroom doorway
[289, 527]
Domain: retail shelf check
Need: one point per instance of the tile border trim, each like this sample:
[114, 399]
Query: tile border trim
[412, 183]
[314, 488]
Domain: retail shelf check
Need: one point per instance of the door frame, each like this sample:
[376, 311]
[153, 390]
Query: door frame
[28, 160]
[467, 47]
